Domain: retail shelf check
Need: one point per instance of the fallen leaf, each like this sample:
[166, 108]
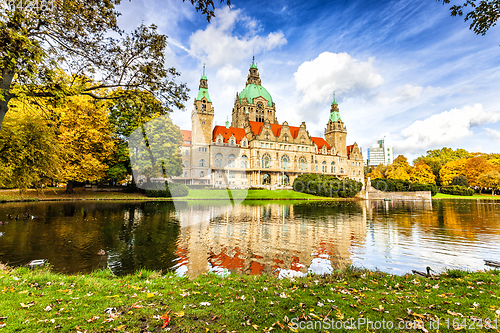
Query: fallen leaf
[456, 314]
[28, 305]
[179, 314]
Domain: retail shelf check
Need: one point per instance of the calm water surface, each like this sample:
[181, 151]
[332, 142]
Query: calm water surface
[280, 238]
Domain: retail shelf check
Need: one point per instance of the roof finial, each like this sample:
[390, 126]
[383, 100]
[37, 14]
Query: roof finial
[227, 122]
[334, 102]
[203, 69]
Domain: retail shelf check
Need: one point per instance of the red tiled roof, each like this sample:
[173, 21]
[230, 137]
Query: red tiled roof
[276, 128]
[349, 149]
[186, 137]
[239, 133]
[320, 142]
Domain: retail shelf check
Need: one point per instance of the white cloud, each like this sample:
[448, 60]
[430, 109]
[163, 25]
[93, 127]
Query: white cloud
[443, 128]
[494, 134]
[220, 46]
[339, 72]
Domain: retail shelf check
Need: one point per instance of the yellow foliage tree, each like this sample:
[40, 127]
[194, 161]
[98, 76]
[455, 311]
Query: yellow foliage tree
[452, 169]
[422, 173]
[84, 131]
[490, 179]
[399, 169]
[474, 167]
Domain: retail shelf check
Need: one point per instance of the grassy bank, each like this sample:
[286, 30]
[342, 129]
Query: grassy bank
[474, 197]
[41, 301]
[202, 194]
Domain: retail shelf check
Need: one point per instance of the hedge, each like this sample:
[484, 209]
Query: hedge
[166, 191]
[457, 190]
[326, 186]
[397, 185]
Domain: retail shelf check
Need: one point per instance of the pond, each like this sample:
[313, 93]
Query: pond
[272, 237]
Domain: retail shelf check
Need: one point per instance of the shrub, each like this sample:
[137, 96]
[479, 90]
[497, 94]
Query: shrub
[397, 185]
[424, 187]
[326, 186]
[457, 190]
[166, 191]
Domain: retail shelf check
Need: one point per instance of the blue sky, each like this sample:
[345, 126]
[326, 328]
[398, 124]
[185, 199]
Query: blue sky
[405, 70]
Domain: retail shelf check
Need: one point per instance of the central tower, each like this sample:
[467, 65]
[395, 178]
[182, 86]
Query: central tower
[254, 102]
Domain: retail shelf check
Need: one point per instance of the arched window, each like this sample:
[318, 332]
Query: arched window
[316, 162]
[244, 162]
[231, 163]
[341, 170]
[185, 174]
[267, 136]
[285, 138]
[218, 160]
[202, 174]
[266, 161]
[231, 142]
[332, 167]
[186, 152]
[186, 164]
[284, 162]
[202, 162]
[323, 167]
[302, 163]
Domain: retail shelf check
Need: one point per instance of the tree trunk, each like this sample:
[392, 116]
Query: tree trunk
[7, 77]
[69, 187]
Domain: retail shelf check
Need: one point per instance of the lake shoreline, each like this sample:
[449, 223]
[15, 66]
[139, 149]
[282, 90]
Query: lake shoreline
[149, 300]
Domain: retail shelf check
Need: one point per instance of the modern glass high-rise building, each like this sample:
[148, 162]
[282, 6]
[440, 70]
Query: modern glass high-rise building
[380, 155]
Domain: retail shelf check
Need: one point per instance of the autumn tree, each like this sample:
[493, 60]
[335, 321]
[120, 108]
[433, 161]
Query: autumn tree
[422, 173]
[437, 158]
[83, 129]
[399, 169]
[452, 169]
[375, 173]
[78, 35]
[474, 167]
[490, 179]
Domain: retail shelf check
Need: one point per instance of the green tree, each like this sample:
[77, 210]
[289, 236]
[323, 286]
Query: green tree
[154, 149]
[29, 151]
[483, 14]
[460, 181]
[126, 115]
[77, 35]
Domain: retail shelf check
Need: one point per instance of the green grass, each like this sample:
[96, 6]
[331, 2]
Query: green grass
[201, 194]
[252, 195]
[474, 197]
[34, 301]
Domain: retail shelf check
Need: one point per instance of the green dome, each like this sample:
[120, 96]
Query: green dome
[254, 90]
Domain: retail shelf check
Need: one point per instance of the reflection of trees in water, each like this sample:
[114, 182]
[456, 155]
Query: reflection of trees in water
[69, 235]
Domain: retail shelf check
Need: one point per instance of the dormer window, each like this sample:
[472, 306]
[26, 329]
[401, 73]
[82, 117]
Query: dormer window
[285, 138]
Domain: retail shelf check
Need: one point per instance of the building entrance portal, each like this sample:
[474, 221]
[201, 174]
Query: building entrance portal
[266, 179]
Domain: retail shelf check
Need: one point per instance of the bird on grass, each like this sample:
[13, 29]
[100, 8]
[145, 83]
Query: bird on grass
[428, 274]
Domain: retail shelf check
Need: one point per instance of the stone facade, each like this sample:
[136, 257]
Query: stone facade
[256, 150]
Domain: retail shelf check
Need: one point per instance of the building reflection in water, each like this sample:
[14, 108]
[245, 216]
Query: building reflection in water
[271, 239]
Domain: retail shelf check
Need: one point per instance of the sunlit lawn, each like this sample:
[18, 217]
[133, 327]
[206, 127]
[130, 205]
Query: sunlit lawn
[474, 197]
[36, 301]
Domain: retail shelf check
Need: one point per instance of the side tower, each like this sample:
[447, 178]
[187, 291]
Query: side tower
[202, 119]
[253, 102]
[202, 116]
[335, 131]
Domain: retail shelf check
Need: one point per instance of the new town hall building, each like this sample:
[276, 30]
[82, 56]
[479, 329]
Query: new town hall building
[254, 149]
